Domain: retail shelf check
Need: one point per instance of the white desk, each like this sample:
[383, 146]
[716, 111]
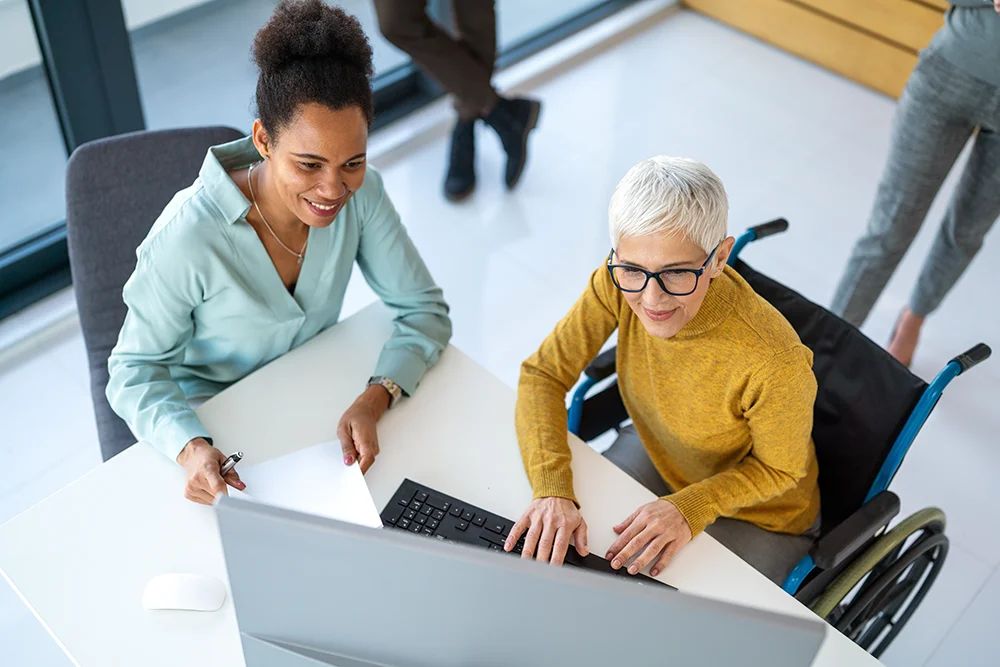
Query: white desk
[81, 558]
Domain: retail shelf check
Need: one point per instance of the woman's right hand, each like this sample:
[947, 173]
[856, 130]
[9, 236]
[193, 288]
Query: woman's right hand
[202, 462]
[550, 523]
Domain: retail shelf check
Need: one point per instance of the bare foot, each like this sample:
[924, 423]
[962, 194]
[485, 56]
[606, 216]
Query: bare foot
[905, 337]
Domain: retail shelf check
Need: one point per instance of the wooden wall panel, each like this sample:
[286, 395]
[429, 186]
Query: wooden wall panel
[800, 29]
[910, 24]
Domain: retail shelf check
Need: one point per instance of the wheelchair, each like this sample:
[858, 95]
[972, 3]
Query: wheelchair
[863, 577]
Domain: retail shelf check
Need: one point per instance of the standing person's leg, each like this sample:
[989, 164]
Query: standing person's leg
[459, 71]
[512, 118]
[974, 208]
[929, 130]
[460, 67]
[476, 30]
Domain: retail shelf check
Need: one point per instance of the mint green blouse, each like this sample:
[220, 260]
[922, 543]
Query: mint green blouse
[206, 305]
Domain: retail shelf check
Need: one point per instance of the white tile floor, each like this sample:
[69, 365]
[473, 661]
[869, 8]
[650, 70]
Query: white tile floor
[787, 138]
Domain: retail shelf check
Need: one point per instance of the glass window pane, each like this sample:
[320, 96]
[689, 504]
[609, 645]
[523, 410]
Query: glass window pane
[193, 63]
[32, 173]
[520, 19]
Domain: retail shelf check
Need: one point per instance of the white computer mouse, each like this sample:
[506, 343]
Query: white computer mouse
[188, 592]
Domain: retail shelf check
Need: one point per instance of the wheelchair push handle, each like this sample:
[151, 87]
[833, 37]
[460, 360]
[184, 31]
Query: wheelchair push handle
[973, 356]
[776, 226]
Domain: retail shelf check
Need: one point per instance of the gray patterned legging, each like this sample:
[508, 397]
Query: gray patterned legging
[939, 110]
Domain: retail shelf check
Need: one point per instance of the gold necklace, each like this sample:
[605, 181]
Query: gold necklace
[301, 255]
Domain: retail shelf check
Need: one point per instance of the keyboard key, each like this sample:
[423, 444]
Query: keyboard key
[438, 515]
[485, 543]
[456, 511]
[426, 511]
[491, 538]
[409, 514]
[494, 547]
[506, 530]
[428, 531]
[403, 501]
[416, 505]
[438, 504]
[392, 514]
[495, 526]
[462, 525]
[479, 520]
[432, 524]
[441, 537]
[421, 519]
[421, 496]
[405, 498]
[467, 515]
[403, 523]
[415, 528]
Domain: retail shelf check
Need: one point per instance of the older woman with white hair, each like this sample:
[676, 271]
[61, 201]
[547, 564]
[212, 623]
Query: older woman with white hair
[718, 385]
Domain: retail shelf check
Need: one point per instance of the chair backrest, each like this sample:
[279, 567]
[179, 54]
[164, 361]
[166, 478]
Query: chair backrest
[864, 398]
[115, 189]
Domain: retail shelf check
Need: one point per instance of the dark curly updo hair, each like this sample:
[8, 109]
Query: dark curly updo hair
[311, 52]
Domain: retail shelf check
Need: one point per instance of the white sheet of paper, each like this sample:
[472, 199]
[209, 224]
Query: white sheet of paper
[312, 480]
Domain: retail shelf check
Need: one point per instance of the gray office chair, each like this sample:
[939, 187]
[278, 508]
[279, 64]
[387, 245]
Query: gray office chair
[115, 189]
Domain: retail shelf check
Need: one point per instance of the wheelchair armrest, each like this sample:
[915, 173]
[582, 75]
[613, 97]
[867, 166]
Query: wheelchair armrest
[603, 366]
[851, 534]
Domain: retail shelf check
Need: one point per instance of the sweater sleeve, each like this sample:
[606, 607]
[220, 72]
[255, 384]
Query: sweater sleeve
[549, 374]
[778, 406]
[395, 271]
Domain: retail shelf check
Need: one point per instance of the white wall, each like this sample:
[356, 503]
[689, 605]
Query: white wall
[19, 49]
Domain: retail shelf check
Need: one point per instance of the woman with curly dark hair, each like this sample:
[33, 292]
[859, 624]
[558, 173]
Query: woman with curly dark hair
[253, 259]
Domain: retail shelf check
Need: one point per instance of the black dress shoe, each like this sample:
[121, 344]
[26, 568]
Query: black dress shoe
[513, 119]
[461, 178]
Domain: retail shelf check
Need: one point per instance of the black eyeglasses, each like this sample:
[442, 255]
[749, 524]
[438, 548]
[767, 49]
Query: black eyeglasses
[676, 282]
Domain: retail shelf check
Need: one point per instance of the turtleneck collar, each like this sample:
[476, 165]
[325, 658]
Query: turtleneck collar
[714, 309]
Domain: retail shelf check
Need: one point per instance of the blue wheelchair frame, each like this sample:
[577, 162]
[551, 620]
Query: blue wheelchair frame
[892, 462]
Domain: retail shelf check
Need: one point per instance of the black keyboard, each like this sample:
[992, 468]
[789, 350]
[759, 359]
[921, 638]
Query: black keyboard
[421, 510]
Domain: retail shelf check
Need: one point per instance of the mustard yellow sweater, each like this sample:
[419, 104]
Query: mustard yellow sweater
[724, 408]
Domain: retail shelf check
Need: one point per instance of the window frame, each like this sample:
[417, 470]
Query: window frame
[87, 59]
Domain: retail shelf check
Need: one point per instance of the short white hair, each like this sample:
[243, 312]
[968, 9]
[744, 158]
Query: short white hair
[670, 195]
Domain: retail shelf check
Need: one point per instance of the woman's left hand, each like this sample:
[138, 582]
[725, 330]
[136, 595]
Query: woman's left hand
[659, 527]
[357, 433]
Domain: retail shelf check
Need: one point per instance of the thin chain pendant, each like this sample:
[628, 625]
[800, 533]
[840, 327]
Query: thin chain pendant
[301, 257]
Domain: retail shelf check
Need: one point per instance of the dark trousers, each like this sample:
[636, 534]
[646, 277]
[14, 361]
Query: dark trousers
[462, 65]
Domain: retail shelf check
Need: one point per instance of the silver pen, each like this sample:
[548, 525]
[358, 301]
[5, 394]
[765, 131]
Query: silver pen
[230, 462]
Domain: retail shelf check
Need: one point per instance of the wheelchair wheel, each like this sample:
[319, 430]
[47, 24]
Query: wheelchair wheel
[875, 596]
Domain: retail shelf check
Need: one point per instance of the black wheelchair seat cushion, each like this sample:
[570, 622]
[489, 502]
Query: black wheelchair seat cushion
[864, 397]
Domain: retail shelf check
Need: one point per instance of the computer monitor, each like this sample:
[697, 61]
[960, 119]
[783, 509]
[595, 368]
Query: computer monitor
[311, 592]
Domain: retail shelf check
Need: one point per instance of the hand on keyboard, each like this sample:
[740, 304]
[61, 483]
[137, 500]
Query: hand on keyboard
[655, 530]
[549, 524]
